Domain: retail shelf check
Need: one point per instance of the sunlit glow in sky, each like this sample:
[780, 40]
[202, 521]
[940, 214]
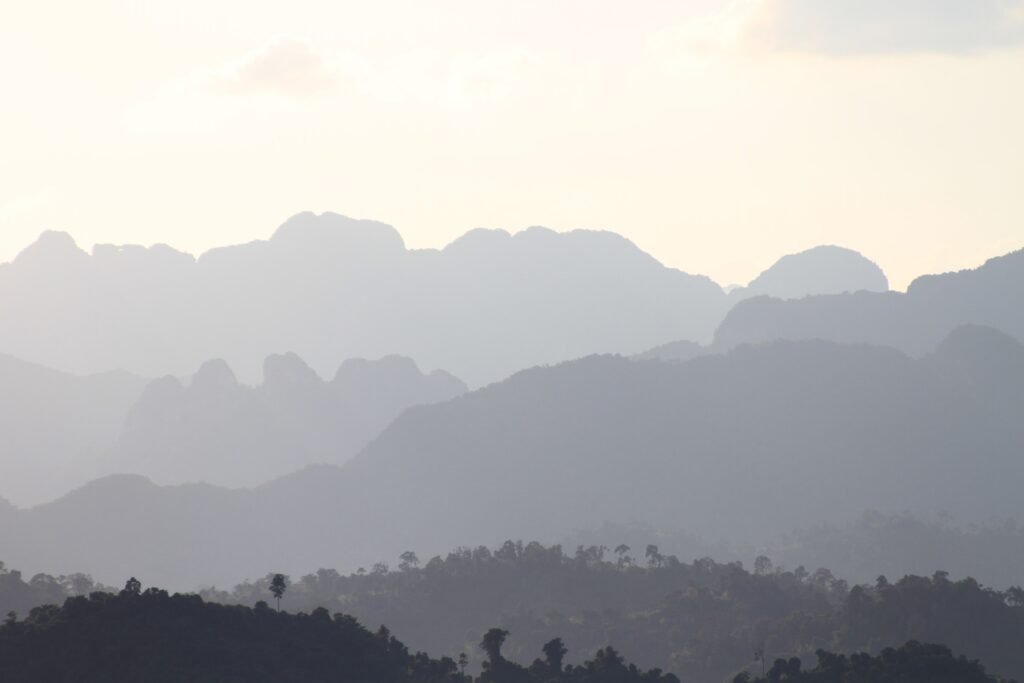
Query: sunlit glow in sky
[716, 134]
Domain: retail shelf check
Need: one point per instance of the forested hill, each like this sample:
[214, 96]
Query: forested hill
[156, 637]
[912, 663]
[702, 621]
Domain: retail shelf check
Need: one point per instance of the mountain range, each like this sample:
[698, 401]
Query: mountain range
[329, 288]
[913, 322]
[806, 397]
[61, 430]
[745, 446]
[221, 432]
[55, 425]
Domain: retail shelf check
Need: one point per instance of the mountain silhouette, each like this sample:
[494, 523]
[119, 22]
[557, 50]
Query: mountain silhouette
[218, 431]
[825, 269]
[914, 322]
[742, 446]
[331, 287]
[821, 270]
[61, 430]
[55, 425]
[677, 351]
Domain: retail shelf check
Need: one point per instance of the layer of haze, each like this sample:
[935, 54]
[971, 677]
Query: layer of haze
[709, 132]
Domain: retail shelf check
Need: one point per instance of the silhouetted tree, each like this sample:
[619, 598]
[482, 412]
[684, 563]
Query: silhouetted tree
[408, 561]
[133, 586]
[762, 565]
[554, 653]
[278, 585]
[491, 645]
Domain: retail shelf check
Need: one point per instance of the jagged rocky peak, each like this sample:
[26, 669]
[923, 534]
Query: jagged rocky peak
[395, 372]
[287, 370]
[337, 233]
[361, 370]
[158, 255]
[214, 374]
[52, 248]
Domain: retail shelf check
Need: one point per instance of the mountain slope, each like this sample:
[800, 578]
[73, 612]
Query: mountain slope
[914, 322]
[55, 425]
[744, 446]
[218, 431]
[825, 269]
[331, 288]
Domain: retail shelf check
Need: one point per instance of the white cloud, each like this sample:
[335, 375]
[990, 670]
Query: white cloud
[285, 65]
[20, 207]
[855, 26]
[490, 77]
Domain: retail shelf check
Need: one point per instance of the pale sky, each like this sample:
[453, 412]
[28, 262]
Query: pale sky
[716, 134]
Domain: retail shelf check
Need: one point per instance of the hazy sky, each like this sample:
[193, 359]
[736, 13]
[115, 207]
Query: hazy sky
[716, 134]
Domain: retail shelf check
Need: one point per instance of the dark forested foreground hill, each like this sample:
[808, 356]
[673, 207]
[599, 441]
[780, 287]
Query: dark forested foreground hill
[744, 446]
[912, 663]
[151, 636]
[702, 622]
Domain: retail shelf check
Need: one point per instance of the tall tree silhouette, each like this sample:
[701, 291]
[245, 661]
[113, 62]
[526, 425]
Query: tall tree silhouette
[278, 585]
[491, 644]
[554, 653]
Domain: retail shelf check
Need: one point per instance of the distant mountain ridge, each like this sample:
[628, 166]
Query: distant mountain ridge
[61, 430]
[330, 287]
[745, 445]
[54, 425]
[914, 322]
[826, 269]
[218, 431]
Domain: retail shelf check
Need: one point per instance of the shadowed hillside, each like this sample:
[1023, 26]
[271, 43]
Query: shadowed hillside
[914, 322]
[55, 425]
[742, 447]
[218, 431]
[152, 636]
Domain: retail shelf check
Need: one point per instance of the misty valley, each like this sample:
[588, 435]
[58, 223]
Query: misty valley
[521, 458]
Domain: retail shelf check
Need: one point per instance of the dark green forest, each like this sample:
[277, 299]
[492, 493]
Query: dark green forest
[156, 637]
[701, 621]
[912, 663]
[19, 595]
[153, 636]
